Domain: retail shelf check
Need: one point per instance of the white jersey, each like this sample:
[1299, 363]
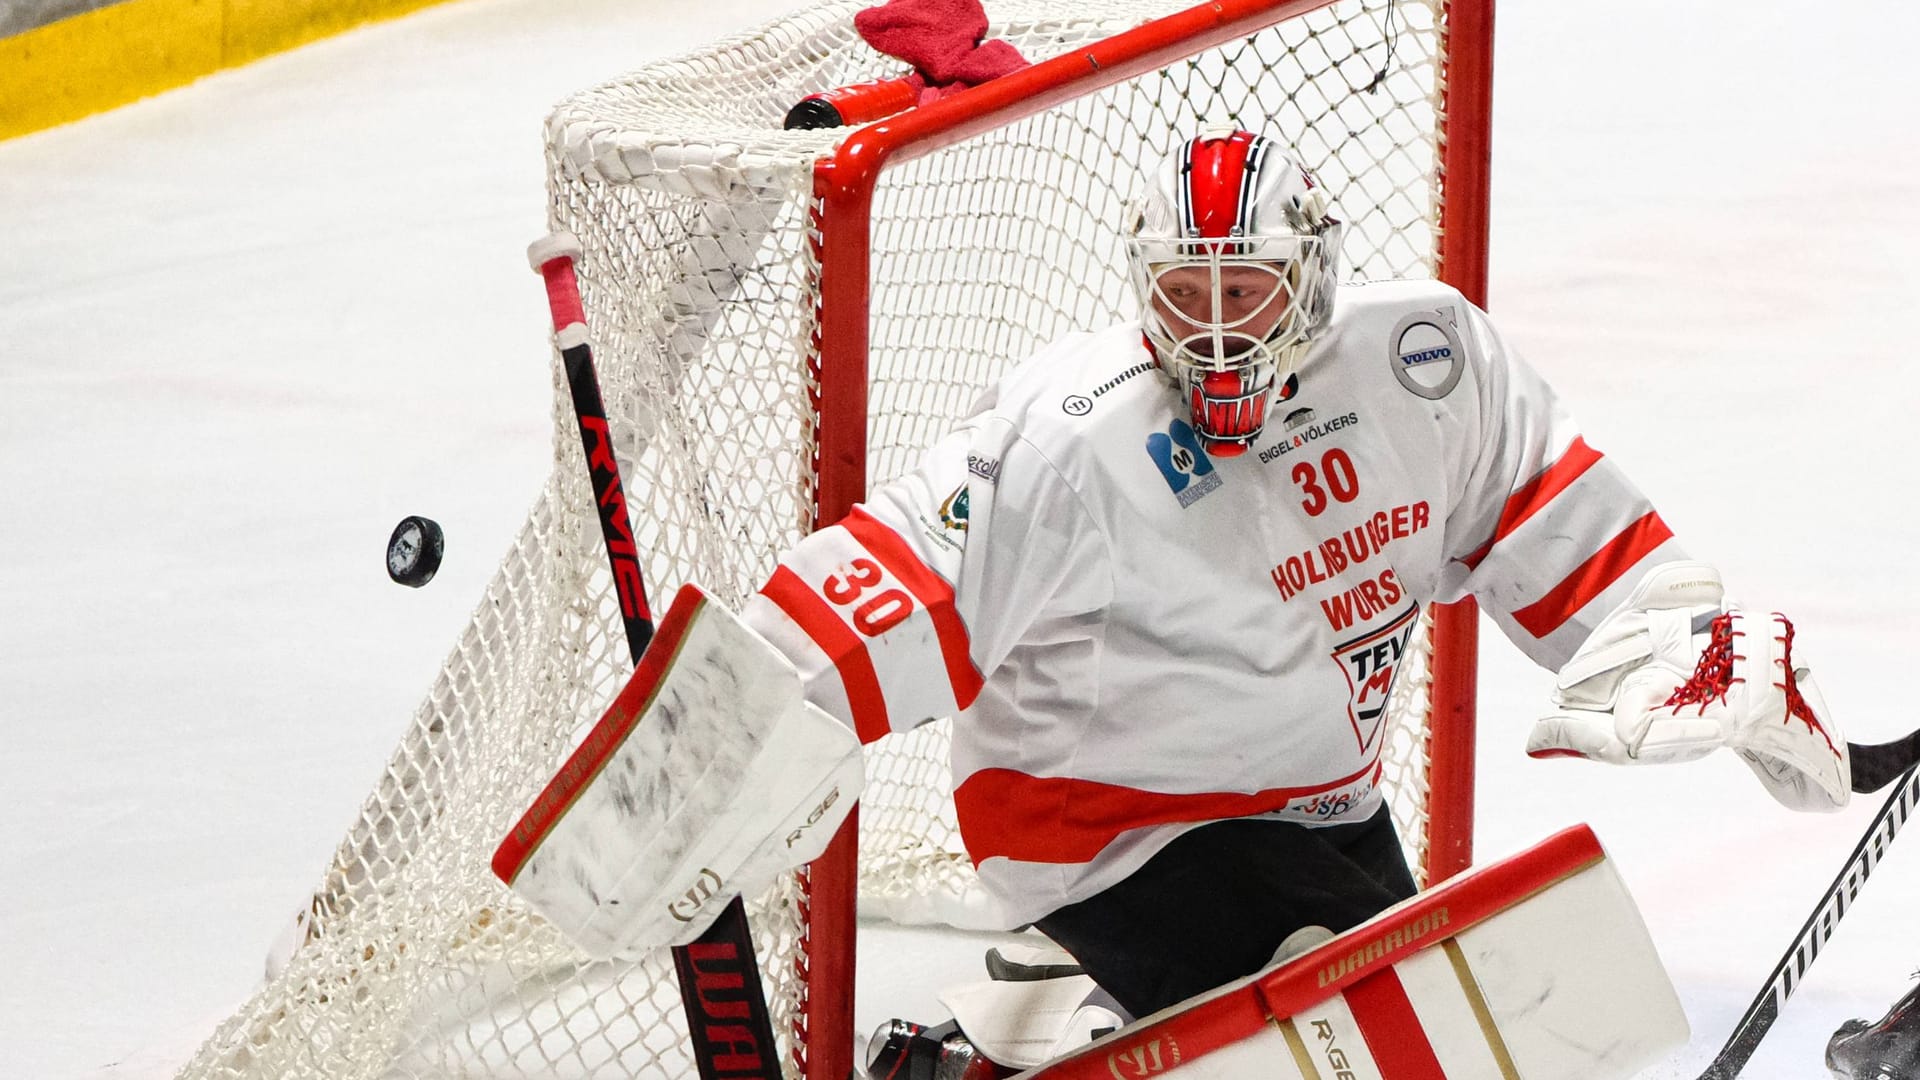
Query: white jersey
[1138, 637]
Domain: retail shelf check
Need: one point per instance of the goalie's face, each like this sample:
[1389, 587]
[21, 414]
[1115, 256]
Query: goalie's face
[1221, 328]
[1221, 312]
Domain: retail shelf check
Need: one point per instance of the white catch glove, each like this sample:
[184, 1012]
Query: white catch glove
[1672, 675]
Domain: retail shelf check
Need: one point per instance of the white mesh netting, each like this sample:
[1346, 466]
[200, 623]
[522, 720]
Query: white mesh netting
[693, 208]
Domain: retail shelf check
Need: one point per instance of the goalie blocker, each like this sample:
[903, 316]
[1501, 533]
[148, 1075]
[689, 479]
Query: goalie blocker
[707, 777]
[1535, 966]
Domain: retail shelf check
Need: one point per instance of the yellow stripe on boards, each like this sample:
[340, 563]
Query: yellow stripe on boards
[101, 59]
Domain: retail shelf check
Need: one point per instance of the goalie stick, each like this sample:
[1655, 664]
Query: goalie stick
[1826, 915]
[719, 977]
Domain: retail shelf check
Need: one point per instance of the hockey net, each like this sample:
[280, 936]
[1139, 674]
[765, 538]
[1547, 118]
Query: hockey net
[719, 277]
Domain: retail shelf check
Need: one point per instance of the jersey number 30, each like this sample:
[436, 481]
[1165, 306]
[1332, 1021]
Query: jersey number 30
[876, 614]
[1341, 480]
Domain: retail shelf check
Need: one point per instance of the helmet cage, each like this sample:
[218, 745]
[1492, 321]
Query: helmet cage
[1218, 331]
[1225, 201]
[1224, 353]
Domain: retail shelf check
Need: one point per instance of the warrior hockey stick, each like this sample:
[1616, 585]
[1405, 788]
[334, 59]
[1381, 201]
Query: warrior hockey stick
[1819, 926]
[719, 977]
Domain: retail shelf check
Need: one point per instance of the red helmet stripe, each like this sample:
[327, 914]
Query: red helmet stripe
[1216, 184]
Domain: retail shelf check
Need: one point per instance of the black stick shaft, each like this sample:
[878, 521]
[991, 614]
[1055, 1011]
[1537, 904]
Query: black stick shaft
[616, 526]
[720, 987]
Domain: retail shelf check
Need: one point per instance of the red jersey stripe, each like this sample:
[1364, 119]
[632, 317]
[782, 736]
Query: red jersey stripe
[1396, 1040]
[1591, 578]
[1060, 819]
[848, 653]
[1536, 493]
[933, 593]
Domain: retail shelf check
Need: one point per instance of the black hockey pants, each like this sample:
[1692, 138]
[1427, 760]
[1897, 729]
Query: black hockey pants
[1214, 904]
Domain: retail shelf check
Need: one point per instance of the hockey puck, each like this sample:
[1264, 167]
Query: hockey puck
[414, 550]
[813, 112]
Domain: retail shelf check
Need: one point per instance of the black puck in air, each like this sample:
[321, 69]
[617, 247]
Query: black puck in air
[414, 550]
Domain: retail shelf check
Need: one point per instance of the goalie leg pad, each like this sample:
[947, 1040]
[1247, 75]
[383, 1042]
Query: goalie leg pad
[1534, 966]
[707, 777]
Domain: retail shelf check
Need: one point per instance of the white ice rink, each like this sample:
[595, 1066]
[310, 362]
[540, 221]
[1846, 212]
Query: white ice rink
[248, 325]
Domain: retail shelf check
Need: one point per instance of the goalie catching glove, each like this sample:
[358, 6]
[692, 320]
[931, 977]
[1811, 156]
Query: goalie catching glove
[1675, 673]
[708, 776]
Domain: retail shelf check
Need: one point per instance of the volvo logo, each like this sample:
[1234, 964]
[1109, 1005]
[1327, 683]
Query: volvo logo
[1426, 353]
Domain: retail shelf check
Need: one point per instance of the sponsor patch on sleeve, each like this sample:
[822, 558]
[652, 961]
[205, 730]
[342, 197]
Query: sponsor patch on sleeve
[1426, 354]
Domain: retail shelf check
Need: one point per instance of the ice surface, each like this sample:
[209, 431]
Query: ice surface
[247, 326]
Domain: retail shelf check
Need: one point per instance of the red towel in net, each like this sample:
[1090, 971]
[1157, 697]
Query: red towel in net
[941, 39]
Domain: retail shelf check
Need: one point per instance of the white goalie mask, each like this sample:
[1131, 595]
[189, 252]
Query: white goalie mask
[1234, 258]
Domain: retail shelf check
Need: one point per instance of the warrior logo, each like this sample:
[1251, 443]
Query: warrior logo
[695, 900]
[1371, 662]
[1137, 369]
[1187, 468]
[1144, 1059]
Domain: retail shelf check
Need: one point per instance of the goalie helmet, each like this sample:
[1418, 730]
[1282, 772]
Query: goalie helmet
[1234, 258]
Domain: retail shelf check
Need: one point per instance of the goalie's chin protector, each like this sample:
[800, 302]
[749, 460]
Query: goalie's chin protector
[707, 777]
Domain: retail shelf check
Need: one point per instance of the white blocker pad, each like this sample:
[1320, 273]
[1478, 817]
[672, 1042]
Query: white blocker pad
[707, 777]
[1537, 967]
